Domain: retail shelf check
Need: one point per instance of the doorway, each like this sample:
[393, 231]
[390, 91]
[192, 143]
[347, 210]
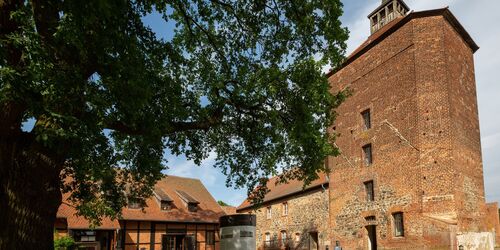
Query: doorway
[372, 237]
[313, 241]
[178, 242]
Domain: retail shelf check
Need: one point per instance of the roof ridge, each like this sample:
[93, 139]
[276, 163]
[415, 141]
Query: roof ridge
[181, 177]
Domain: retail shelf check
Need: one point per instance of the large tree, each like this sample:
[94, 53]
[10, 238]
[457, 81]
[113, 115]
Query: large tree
[108, 97]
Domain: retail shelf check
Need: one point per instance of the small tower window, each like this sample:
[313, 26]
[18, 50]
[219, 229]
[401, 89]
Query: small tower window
[269, 212]
[367, 123]
[285, 208]
[370, 196]
[367, 153]
[398, 224]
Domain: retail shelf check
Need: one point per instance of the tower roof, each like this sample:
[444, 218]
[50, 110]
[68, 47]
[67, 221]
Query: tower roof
[393, 26]
[385, 3]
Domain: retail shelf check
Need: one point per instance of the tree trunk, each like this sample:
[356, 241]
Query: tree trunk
[29, 195]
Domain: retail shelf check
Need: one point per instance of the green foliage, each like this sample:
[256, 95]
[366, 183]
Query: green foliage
[238, 78]
[221, 203]
[64, 243]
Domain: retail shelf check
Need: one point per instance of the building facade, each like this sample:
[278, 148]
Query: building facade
[410, 175]
[182, 215]
[291, 217]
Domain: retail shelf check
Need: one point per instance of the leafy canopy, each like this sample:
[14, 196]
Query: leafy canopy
[222, 203]
[239, 78]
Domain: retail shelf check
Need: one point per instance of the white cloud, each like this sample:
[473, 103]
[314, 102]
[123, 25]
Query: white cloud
[205, 172]
[212, 178]
[359, 29]
[490, 141]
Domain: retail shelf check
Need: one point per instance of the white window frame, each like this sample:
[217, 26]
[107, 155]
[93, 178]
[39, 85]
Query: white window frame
[297, 237]
[269, 212]
[285, 208]
[283, 237]
[398, 232]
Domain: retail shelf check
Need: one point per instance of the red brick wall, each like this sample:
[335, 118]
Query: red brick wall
[419, 85]
[465, 137]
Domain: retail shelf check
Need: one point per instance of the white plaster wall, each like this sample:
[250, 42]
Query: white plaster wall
[476, 241]
[236, 242]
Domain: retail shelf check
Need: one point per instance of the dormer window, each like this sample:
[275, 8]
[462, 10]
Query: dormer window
[134, 204]
[191, 203]
[192, 207]
[166, 205]
[165, 202]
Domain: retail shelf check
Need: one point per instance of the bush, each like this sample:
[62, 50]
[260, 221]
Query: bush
[64, 243]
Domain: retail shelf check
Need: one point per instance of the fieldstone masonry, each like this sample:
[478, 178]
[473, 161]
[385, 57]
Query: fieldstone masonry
[307, 213]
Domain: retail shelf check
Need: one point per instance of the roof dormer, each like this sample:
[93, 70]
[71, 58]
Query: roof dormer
[191, 202]
[163, 199]
[386, 12]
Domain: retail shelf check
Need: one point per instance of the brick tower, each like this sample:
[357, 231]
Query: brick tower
[410, 175]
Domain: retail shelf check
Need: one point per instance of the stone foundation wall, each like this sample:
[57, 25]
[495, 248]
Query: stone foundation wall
[307, 212]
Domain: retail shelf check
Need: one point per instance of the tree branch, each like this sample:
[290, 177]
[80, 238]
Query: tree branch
[188, 19]
[46, 17]
[11, 112]
[172, 127]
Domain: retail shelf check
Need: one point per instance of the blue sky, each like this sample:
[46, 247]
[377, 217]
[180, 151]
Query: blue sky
[481, 20]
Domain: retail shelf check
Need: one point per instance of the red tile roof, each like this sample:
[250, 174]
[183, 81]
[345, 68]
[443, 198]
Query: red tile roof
[68, 212]
[229, 210]
[277, 190]
[208, 210]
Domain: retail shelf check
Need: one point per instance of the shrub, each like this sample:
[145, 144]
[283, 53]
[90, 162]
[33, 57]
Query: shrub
[64, 243]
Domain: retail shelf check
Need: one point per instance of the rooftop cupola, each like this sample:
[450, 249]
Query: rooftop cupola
[386, 12]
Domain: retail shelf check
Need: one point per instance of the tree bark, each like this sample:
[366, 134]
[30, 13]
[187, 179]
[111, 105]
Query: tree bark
[29, 195]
